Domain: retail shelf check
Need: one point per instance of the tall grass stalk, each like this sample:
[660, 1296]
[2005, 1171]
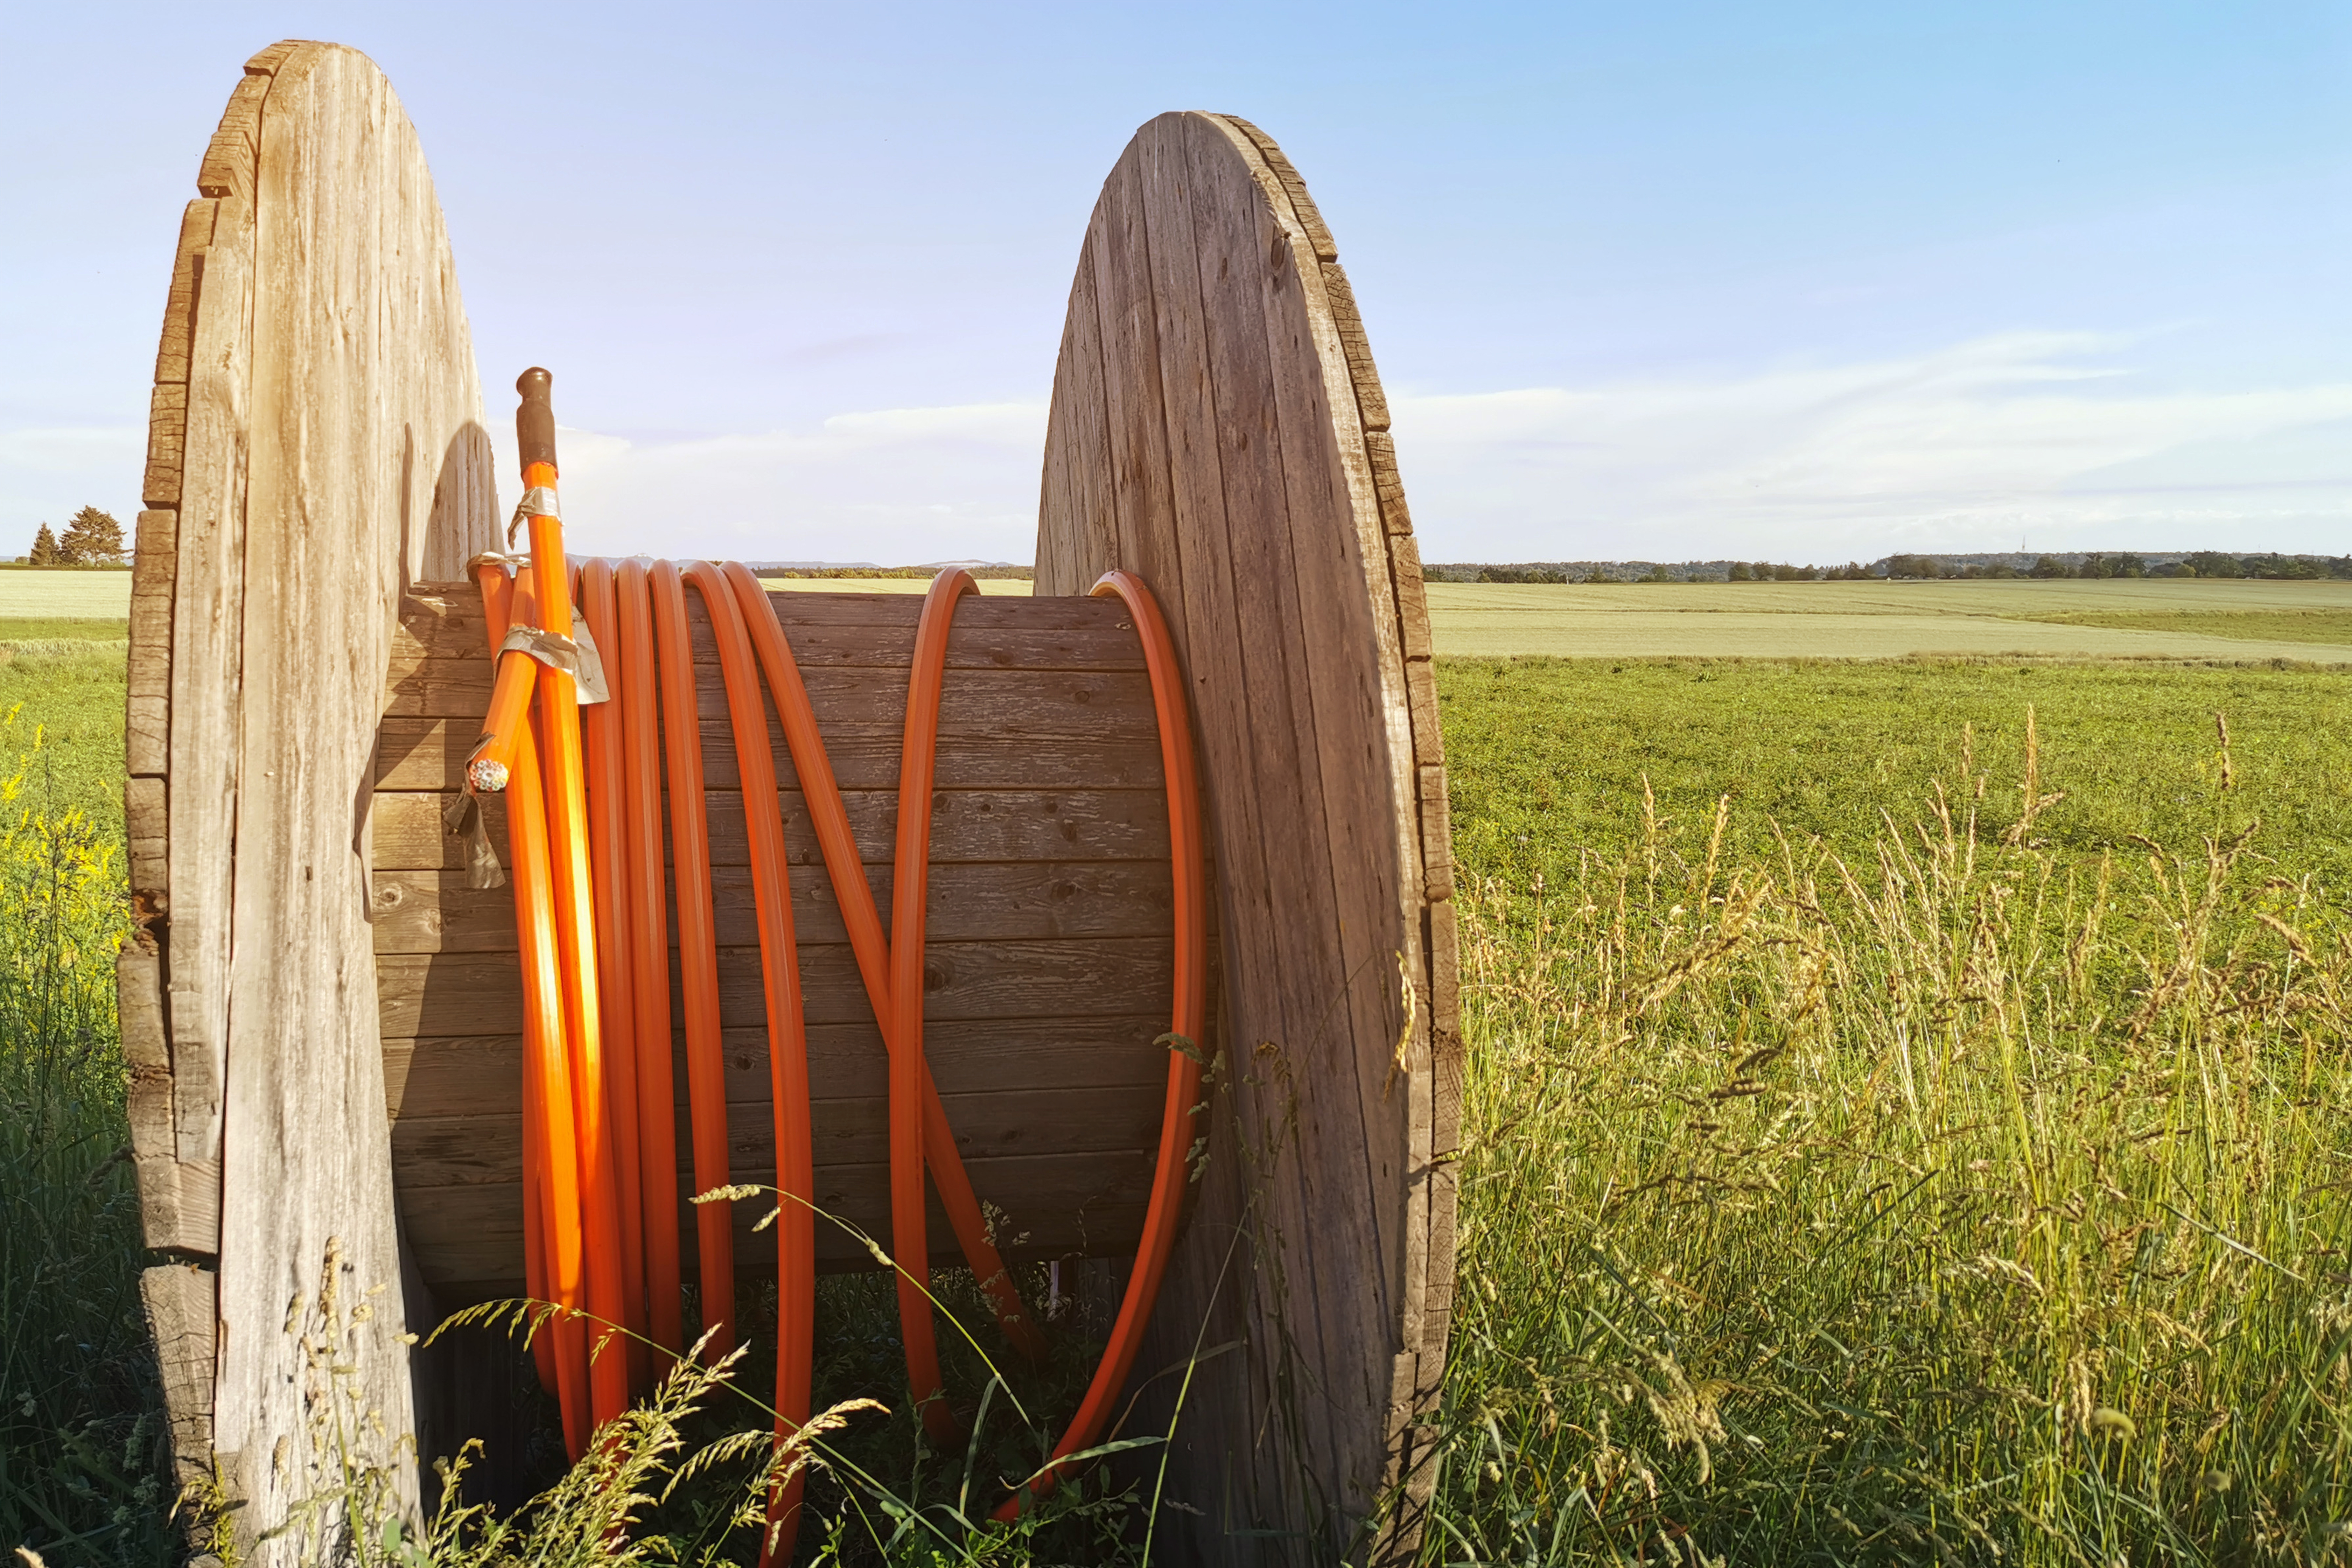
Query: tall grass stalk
[1960, 1200]
[79, 1435]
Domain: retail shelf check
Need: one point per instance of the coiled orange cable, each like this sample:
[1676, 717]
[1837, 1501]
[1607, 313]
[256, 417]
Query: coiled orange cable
[586, 835]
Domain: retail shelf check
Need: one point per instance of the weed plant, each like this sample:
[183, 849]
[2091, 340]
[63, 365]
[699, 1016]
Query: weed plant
[80, 1429]
[1945, 1190]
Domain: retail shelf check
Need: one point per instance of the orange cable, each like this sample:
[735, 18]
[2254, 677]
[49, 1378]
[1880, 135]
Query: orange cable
[787, 1036]
[697, 950]
[631, 661]
[575, 931]
[547, 1071]
[1170, 1175]
[600, 1181]
[600, 735]
[845, 864]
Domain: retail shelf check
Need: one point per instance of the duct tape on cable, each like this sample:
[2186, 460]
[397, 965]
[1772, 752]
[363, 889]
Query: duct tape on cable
[464, 820]
[576, 655]
[536, 501]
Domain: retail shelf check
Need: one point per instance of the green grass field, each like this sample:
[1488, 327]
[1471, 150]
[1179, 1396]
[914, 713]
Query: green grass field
[1894, 1133]
[1906, 1119]
[2168, 618]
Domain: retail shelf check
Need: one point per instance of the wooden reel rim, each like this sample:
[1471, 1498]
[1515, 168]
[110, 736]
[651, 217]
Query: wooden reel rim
[1218, 427]
[315, 444]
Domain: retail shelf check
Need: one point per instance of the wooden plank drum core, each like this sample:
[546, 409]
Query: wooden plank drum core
[321, 1017]
[1048, 949]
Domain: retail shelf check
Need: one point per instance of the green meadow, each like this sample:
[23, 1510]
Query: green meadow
[1905, 1116]
[1908, 1115]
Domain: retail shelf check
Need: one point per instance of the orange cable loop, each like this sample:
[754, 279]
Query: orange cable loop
[1186, 848]
[585, 831]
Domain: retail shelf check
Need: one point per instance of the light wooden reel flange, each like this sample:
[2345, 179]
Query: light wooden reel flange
[319, 1014]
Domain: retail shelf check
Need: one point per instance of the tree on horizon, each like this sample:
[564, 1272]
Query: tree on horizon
[44, 548]
[93, 538]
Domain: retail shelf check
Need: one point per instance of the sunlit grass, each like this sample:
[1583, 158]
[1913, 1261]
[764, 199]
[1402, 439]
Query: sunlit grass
[1943, 1187]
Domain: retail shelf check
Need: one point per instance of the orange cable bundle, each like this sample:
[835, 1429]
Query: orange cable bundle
[586, 837]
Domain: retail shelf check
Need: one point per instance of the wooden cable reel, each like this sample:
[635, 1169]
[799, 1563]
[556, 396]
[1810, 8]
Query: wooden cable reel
[320, 1017]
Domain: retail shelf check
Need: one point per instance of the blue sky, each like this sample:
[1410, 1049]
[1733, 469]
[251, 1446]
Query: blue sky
[1804, 281]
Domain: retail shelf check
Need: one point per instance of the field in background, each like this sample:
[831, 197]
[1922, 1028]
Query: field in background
[2168, 618]
[103, 595]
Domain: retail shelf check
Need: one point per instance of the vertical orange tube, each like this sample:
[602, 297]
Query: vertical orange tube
[787, 1036]
[631, 661]
[600, 736]
[548, 1071]
[698, 951]
[911, 873]
[574, 922]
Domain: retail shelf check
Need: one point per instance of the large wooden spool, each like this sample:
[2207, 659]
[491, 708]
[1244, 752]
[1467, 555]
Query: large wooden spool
[321, 1017]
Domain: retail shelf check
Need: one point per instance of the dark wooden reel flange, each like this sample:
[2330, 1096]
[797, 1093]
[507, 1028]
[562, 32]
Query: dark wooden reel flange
[320, 1017]
[1219, 429]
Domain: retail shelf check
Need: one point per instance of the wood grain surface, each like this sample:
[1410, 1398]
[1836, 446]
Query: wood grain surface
[315, 447]
[1218, 427]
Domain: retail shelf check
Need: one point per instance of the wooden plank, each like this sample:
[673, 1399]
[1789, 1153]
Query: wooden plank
[167, 432]
[1371, 402]
[206, 665]
[1309, 217]
[1412, 600]
[1052, 751]
[1055, 1204]
[967, 825]
[1355, 683]
[1093, 524]
[1437, 847]
[228, 166]
[147, 730]
[146, 825]
[1304, 1011]
[182, 1314]
[825, 630]
[1390, 579]
[1056, 566]
[1395, 515]
[477, 994]
[180, 300]
[1119, 244]
[436, 911]
[165, 1218]
[477, 1075]
[1122, 1121]
[1235, 1395]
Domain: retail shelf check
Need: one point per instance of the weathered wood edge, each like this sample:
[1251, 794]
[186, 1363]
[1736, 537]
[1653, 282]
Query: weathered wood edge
[199, 361]
[1392, 564]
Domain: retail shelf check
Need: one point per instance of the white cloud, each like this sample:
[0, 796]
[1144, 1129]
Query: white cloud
[893, 486]
[2050, 436]
[1961, 449]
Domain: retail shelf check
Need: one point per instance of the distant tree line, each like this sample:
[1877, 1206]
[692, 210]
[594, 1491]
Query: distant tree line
[2196, 563]
[1948, 568]
[92, 537]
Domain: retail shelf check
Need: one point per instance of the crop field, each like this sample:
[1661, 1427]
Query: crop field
[2166, 618]
[1908, 1115]
[89, 595]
